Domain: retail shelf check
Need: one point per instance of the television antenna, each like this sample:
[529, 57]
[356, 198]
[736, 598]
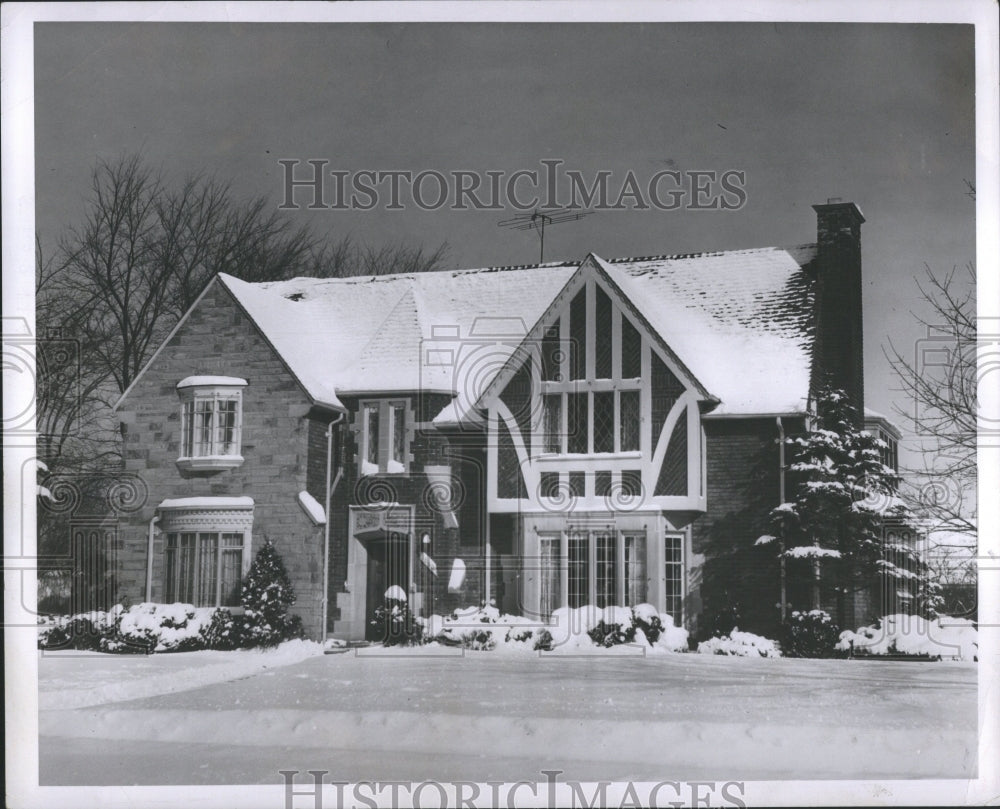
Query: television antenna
[537, 220]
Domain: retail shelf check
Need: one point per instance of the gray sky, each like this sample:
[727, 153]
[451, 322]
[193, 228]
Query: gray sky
[879, 114]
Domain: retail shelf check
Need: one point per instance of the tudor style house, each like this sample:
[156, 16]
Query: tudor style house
[596, 432]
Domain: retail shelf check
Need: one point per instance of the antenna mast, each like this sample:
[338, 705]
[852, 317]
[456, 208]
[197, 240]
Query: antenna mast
[537, 220]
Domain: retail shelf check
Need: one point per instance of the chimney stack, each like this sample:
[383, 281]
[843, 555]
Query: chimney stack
[839, 325]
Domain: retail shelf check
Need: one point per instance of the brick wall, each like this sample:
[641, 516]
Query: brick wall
[218, 339]
[738, 581]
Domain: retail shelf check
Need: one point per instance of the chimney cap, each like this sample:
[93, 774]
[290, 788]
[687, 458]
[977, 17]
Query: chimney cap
[834, 205]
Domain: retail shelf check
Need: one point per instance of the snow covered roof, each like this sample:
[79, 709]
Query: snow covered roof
[741, 321]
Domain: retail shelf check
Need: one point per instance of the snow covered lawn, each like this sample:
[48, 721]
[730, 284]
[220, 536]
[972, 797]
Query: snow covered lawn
[438, 712]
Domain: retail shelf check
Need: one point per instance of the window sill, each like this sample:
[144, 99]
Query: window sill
[589, 456]
[209, 463]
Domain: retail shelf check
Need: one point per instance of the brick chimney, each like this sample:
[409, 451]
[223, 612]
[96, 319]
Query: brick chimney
[839, 329]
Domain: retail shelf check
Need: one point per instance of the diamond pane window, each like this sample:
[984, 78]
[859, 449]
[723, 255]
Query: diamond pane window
[666, 390]
[552, 422]
[602, 484]
[603, 347]
[576, 426]
[577, 481]
[551, 354]
[631, 351]
[604, 421]
[578, 336]
[549, 484]
[672, 480]
[628, 420]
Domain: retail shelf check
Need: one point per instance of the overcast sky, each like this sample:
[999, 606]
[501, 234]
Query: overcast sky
[882, 115]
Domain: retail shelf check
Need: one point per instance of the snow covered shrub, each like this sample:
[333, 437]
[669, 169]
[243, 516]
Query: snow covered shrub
[740, 644]
[224, 632]
[647, 620]
[151, 627]
[266, 595]
[672, 638]
[83, 632]
[810, 634]
[543, 641]
[614, 628]
[397, 624]
[916, 636]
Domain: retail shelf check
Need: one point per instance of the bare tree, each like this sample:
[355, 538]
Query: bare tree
[940, 381]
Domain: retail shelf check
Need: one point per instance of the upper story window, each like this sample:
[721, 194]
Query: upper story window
[211, 422]
[384, 445]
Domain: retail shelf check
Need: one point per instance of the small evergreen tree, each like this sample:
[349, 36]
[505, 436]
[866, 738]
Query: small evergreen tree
[843, 497]
[266, 596]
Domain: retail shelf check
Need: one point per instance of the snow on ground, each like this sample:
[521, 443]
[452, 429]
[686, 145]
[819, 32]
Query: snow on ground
[478, 715]
[70, 679]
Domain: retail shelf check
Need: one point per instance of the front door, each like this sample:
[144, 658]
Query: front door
[388, 566]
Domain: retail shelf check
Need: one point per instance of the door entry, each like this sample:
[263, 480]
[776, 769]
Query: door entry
[388, 566]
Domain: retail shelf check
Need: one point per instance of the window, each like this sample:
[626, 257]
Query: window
[578, 551]
[550, 564]
[605, 567]
[607, 571]
[552, 422]
[384, 437]
[608, 407]
[674, 584]
[204, 569]
[635, 569]
[211, 422]
[206, 549]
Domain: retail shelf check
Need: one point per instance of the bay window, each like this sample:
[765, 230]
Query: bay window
[211, 422]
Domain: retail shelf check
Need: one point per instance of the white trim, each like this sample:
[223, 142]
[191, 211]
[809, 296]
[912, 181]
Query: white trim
[212, 382]
[207, 503]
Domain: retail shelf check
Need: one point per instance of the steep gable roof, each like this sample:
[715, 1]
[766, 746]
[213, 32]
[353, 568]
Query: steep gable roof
[740, 321]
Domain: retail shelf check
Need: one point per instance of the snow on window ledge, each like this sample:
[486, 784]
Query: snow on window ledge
[212, 382]
[312, 508]
[209, 462]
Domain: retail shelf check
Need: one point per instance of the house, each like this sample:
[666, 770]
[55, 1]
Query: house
[600, 432]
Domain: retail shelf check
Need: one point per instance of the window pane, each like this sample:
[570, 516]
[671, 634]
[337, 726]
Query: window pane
[635, 569]
[579, 570]
[232, 570]
[576, 426]
[181, 587]
[602, 340]
[226, 434]
[602, 484]
[170, 564]
[371, 437]
[187, 429]
[203, 427]
[673, 553]
[628, 420]
[398, 412]
[631, 483]
[208, 569]
[631, 351]
[607, 578]
[577, 481]
[578, 336]
[549, 564]
[551, 354]
[552, 422]
[604, 421]
[550, 484]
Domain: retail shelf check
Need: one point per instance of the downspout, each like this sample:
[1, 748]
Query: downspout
[781, 496]
[326, 528]
[149, 558]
